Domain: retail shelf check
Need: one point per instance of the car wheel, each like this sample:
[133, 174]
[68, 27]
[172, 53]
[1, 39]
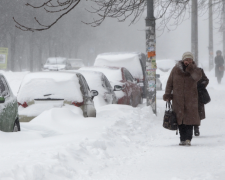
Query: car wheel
[16, 126]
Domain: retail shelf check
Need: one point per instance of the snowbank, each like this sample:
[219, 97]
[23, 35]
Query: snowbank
[129, 61]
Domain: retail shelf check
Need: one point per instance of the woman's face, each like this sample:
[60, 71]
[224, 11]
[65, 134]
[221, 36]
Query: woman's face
[187, 61]
[218, 54]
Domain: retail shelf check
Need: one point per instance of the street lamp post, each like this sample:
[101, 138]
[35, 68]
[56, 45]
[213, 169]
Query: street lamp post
[151, 57]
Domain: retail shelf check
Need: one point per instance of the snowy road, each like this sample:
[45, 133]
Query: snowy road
[122, 143]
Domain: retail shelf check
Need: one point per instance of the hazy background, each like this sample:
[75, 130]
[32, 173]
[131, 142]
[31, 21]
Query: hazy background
[73, 39]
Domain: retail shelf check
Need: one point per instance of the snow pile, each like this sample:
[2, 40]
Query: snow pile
[61, 144]
[55, 85]
[36, 109]
[130, 61]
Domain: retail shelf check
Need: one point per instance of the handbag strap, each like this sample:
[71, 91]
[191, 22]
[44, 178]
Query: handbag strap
[169, 105]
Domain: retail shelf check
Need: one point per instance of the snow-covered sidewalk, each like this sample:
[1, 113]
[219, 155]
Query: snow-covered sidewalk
[122, 143]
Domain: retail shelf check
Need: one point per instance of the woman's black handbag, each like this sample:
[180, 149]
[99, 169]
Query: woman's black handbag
[203, 96]
[170, 119]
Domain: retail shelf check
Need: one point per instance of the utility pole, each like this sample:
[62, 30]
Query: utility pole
[31, 52]
[211, 64]
[194, 30]
[223, 28]
[150, 80]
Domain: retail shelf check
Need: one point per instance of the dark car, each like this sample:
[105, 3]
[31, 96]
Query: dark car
[9, 119]
[125, 86]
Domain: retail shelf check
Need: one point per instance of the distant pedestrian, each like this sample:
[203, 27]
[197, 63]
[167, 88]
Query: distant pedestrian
[181, 88]
[219, 69]
[202, 83]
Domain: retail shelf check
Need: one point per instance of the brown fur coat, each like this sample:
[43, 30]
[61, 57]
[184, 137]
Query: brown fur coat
[182, 89]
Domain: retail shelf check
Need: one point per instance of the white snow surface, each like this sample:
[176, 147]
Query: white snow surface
[130, 61]
[60, 85]
[122, 143]
[165, 64]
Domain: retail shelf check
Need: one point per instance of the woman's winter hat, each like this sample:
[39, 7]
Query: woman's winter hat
[218, 52]
[187, 55]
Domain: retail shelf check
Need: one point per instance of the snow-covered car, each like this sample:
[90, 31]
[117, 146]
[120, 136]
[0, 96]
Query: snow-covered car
[98, 81]
[125, 86]
[9, 119]
[57, 64]
[44, 90]
[76, 63]
[134, 62]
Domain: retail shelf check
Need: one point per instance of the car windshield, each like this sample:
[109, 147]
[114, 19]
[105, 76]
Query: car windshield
[52, 61]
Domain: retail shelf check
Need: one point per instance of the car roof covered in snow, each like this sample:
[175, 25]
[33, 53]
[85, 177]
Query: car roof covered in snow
[129, 60]
[112, 73]
[60, 85]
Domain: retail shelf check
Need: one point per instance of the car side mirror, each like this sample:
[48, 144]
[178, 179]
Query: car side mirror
[117, 88]
[94, 93]
[136, 80]
[2, 99]
[157, 76]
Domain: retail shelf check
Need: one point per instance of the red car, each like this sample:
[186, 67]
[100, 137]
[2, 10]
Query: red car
[125, 86]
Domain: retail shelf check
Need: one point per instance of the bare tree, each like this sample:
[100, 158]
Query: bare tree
[120, 10]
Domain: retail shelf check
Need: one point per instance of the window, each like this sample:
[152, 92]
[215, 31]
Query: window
[107, 83]
[4, 90]
[85, 86]
[128, 76]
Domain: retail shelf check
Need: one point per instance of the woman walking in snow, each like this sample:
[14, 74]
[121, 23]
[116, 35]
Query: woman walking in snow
[181, 88]
[219, 69]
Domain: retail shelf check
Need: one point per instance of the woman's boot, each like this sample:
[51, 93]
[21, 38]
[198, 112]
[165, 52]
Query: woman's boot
[196, 130]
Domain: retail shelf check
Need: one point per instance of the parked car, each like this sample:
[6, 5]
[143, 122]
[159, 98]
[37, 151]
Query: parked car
[76, 63]
[57, 64]
[134, 62]
[126, 88]
[9, 119]
[99, 82]
[44, 90]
